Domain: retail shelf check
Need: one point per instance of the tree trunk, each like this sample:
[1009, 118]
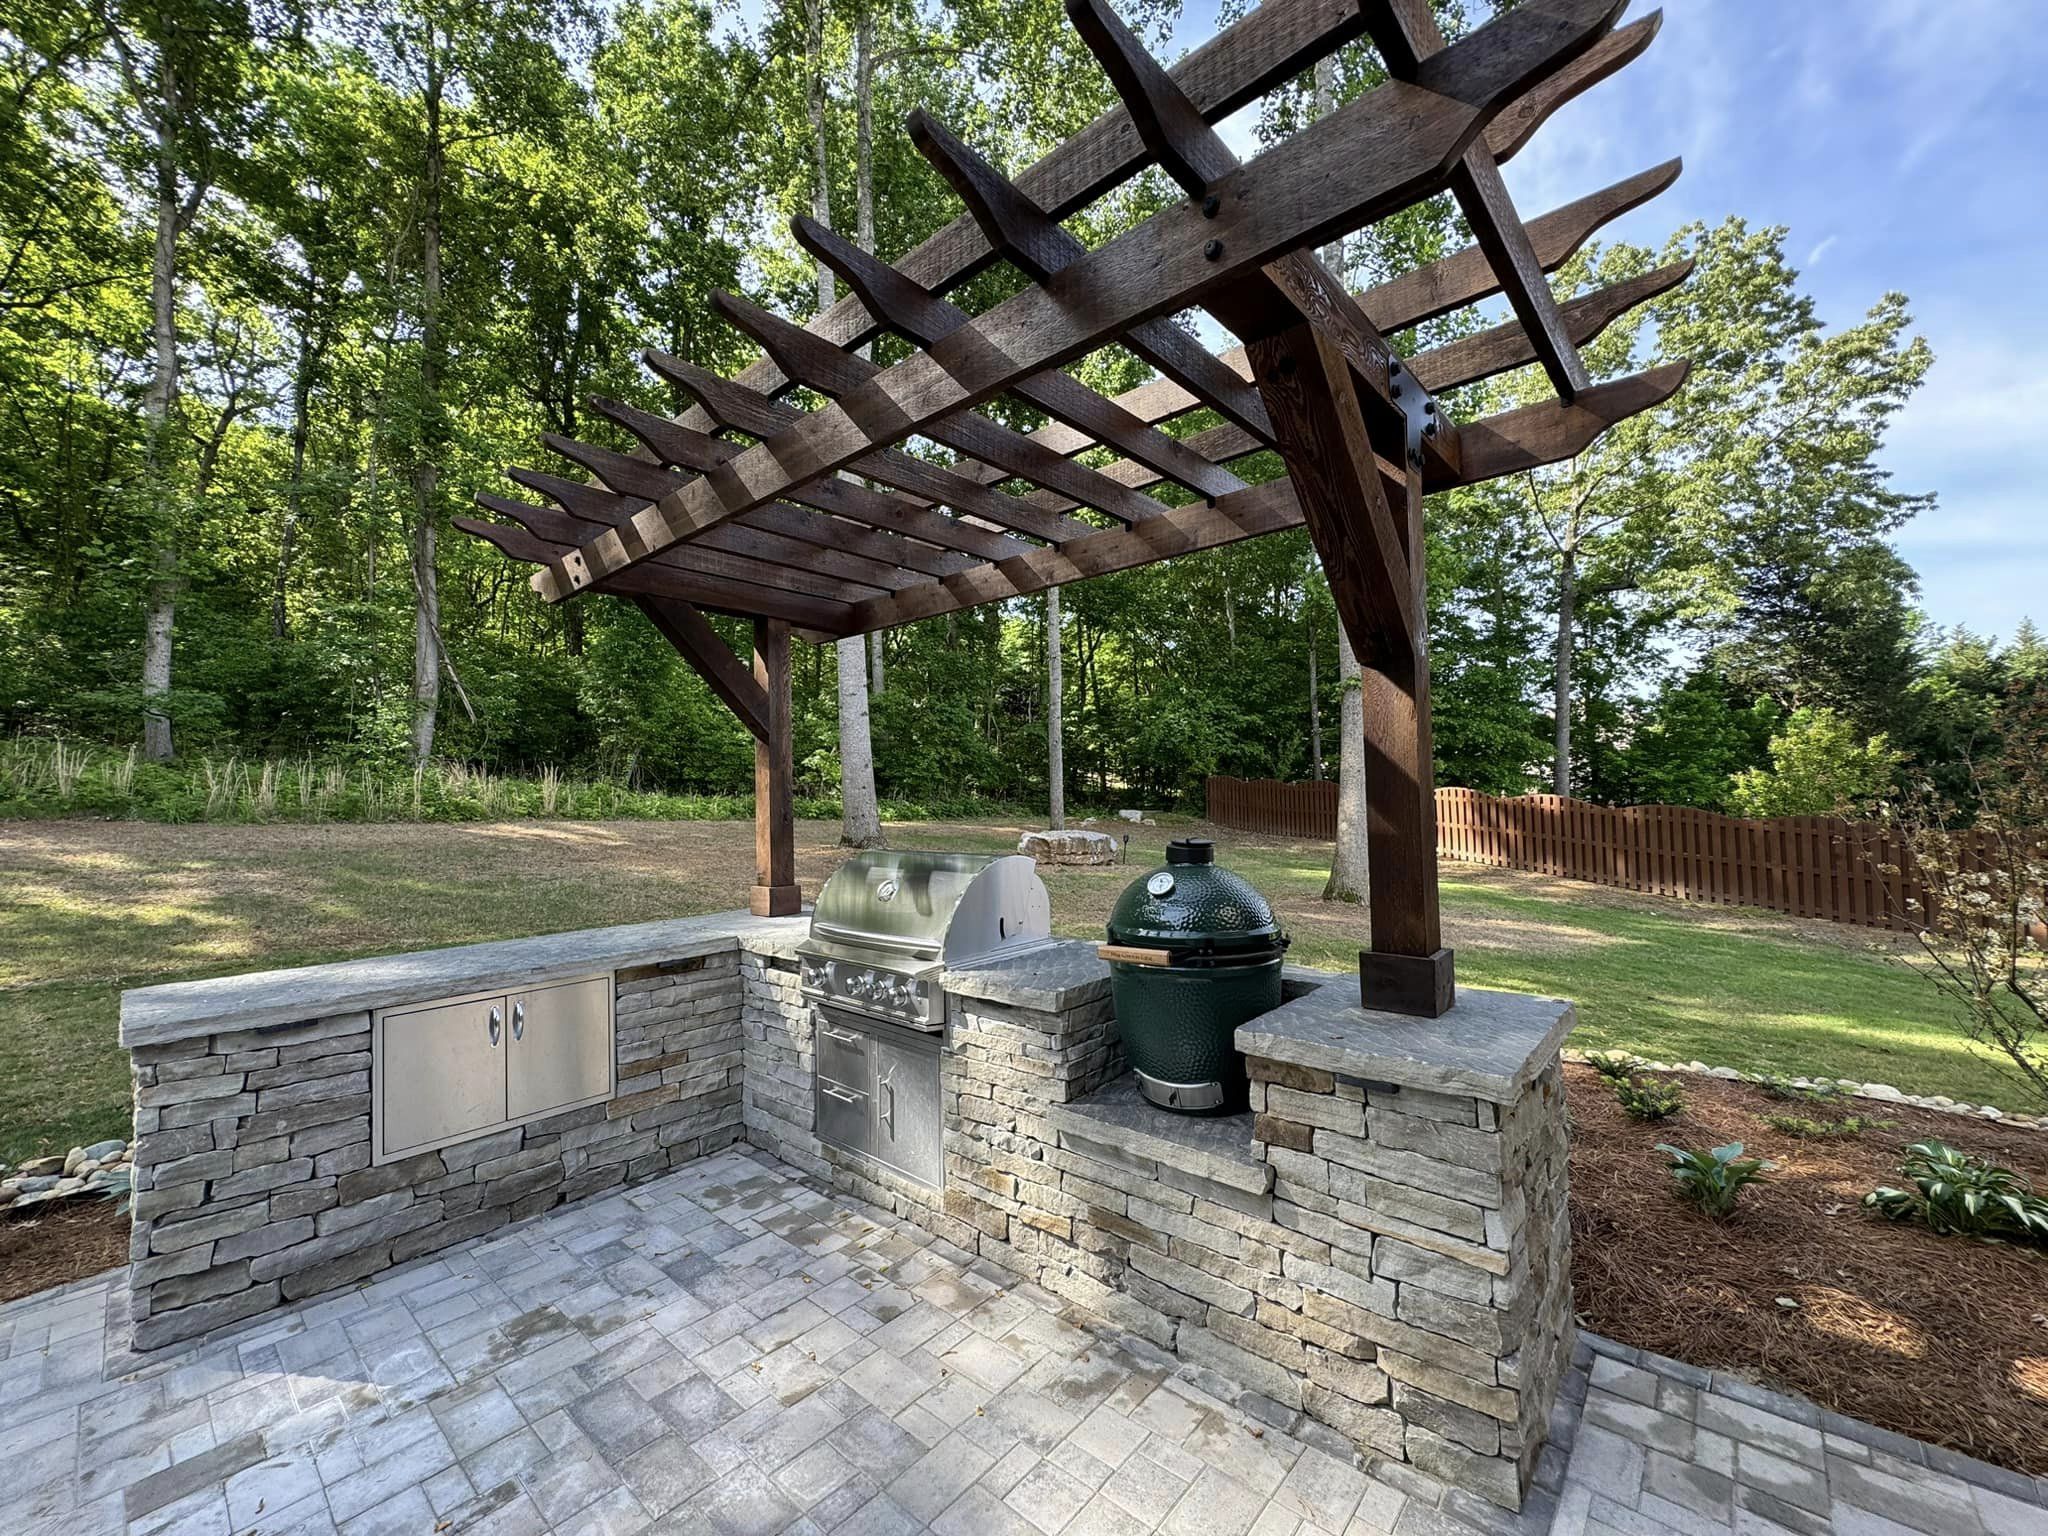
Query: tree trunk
[1567, 614]
[861, 820]
[1348, 860]
[426, 474]
[860, 823]
[1315, 710]
[1055, 744]
[294, 495]
[864, 222]
[160, 606]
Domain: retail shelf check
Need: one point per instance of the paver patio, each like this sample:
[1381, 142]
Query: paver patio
[730, 1350]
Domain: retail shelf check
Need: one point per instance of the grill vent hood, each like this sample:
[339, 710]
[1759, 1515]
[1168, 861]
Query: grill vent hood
[948, 907]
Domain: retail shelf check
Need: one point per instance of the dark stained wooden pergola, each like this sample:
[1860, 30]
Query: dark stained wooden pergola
[748, 505]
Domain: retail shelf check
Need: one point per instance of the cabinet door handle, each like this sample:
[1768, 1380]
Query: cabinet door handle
[519, 1020]
[843, 1036]
[888, 1086]
[497, 1023]
[832, 1091]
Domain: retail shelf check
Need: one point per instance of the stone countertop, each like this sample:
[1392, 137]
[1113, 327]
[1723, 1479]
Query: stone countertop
[1217, 1147]
[1490, 1045]
[180, 1010]
[1051, 980]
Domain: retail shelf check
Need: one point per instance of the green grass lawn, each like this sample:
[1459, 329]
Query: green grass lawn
[87, 909]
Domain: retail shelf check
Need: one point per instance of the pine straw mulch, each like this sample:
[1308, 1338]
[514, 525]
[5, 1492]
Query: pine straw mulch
[1943, 1339]
[58, 1242]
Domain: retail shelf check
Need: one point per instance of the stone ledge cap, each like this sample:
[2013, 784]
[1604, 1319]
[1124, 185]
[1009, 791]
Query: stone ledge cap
[1213, 1147]
[1052, 979]
[181, 1010]
[1489, 1046]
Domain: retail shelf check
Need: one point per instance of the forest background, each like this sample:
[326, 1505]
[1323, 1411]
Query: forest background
[282, 285]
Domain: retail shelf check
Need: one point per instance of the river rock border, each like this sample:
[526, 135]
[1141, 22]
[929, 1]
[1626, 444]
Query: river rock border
[1884, 1093]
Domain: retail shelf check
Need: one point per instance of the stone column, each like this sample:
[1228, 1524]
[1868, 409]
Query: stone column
[1430, 1156]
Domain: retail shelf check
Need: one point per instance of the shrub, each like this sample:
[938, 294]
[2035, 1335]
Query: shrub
[1612, 1065]
[1649, 1098]
[1714, 1179]
[1983, 924]
[1958, 1194]
[1823, 1130]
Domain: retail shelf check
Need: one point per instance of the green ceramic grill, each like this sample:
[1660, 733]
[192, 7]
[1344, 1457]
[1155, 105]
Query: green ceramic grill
[1194, 950]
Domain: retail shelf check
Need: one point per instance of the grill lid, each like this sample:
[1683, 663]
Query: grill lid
[1193, 906]
[951, 906]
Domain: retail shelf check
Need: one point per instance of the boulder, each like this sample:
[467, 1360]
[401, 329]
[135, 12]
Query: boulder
[40, 1167]
[1070, 847]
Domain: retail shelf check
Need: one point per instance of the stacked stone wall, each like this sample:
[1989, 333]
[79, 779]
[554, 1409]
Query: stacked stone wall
[781, 1055]
[253, 1178]
[1389, 1262]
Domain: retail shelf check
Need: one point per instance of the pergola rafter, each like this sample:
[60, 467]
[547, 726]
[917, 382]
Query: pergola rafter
[825, 523]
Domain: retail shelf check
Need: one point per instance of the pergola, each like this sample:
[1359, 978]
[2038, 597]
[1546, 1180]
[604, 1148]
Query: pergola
[820, 523]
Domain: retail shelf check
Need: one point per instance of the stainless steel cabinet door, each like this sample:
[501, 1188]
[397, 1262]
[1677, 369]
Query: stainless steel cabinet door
[907, 1111]
[440, 1074]
[559, 1047]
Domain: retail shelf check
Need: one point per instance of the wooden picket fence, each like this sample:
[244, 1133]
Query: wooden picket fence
[1810, 866]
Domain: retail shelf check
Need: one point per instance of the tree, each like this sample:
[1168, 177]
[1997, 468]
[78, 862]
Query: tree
[1820, 766]
[1764, 462]
[471, 74]
[182, 65]
[1691, 741]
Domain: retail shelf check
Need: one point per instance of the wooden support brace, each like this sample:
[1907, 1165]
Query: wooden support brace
[684, 626]
[1310, 393]
[775, 892]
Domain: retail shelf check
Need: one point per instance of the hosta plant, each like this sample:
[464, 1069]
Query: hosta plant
[1714, 1179]
[1956, 1193]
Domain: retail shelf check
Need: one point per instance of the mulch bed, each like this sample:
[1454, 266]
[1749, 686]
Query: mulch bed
[58, 1242]
[1943, 1339]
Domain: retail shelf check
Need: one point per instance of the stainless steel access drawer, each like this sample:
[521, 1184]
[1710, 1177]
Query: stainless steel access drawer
[878, 1093]
[454, 1068]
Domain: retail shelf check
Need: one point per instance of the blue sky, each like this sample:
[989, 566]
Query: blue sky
[1904, 143]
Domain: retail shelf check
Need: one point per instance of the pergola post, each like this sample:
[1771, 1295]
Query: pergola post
[775, 893]
[1362, 503]
[1407, 970]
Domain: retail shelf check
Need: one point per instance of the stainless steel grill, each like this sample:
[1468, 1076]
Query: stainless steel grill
[886, 927]
[888, 923]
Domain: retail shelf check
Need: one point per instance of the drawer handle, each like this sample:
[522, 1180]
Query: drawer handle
[497, 1023]
[833, 1091]
[519, 1020]
[843, 1036]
